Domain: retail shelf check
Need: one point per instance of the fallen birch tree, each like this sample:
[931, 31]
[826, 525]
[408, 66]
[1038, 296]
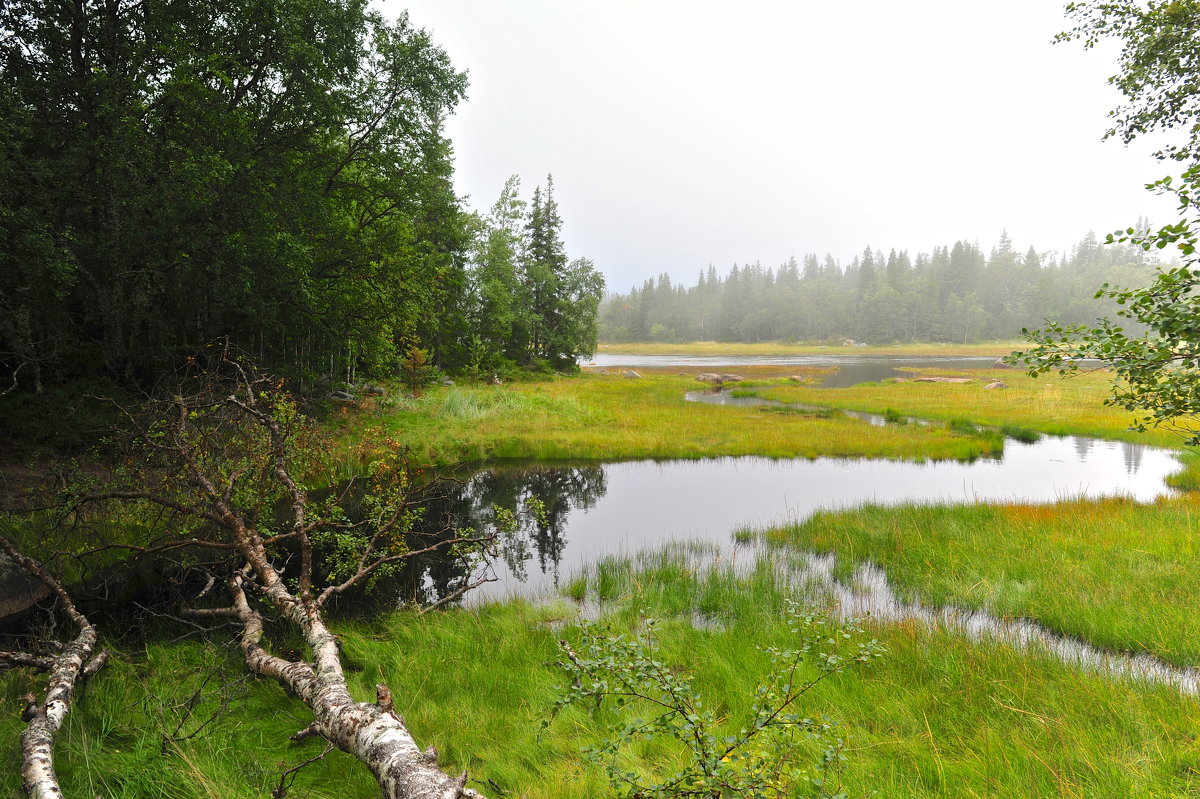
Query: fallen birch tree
[222, 454]
[68, 665]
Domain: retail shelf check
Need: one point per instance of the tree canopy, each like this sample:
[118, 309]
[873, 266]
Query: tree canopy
[175, 172]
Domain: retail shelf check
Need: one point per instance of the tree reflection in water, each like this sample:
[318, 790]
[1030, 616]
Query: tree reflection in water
[470, 501]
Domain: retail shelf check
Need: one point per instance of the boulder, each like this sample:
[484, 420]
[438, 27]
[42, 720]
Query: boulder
[342, 396]
[941, 380]
[798, 379]
[996, 384]
[710, 378]
[731, 378]
[447, 382]
[1000, 364]
[631, 374]
[19, 590]
[375, 391]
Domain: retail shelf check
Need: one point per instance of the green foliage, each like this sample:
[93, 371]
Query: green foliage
[1158, 64]
[761, 760]
[1158, 373]
[175, 172]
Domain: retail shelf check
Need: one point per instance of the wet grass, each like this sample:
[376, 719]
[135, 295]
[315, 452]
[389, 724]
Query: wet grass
[938, 716]
[614, 418]
[1119, 574]
[1028, 407]
[993, 349]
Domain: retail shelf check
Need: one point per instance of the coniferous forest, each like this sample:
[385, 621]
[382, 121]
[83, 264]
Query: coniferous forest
[174, 173]
[957, 294]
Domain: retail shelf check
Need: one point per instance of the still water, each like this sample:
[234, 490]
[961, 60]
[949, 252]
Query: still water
[594, 510]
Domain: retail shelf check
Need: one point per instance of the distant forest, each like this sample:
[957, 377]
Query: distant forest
[956, 294]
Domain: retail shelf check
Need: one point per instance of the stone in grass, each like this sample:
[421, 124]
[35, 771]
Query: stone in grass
[996, 384]
[631, 374]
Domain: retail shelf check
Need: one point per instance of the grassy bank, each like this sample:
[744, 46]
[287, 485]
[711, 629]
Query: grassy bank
[614, 418]
[993, 349]
[936, 717]
[1120, 575]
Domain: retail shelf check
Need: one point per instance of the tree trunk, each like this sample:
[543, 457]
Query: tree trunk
[371, 731]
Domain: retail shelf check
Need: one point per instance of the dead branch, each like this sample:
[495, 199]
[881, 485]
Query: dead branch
[232, 436]
[73, 665]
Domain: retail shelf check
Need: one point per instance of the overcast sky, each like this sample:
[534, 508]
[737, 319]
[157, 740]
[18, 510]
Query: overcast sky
[683, 133]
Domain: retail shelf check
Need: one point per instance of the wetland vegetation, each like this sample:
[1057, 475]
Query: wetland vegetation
[337, 400]
[940, 715]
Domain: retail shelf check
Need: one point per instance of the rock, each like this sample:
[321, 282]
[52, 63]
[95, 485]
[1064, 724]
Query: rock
[798, 379]
[342, 396]
[710, 378]
[19, 590]
[941, 380]
[1000, 364]
[996, 384]
[731, 378]
[375, 391]
[849, 343]
[447, 382]
[631, 374]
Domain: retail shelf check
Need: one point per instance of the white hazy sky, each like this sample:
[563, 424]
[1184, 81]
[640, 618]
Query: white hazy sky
[683, 133]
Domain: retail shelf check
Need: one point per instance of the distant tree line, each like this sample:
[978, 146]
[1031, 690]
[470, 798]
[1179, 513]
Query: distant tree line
[175, 172]
[954, 294]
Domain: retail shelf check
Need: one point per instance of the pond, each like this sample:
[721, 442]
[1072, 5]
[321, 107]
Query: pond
[598, 509]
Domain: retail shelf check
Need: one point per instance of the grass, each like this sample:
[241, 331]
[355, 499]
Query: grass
[1116, 573]
[937, 717]
[1027, 408]
[991, 349]
[614, 418]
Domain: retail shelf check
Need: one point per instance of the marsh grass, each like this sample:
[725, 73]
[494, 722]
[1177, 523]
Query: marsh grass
[995, 349]
[613, 418]
[1114, 572]
[938, 716]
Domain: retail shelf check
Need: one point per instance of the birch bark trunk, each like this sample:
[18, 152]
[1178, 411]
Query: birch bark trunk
[73, 664]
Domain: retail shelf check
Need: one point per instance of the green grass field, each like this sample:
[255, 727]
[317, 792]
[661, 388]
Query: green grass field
[938, 716]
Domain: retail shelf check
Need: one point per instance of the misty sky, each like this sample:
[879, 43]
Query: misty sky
[686, 133]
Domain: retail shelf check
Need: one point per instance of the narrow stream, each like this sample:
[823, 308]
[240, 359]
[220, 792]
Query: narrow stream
[870, 594]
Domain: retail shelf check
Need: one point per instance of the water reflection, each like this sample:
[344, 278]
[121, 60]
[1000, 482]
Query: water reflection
[593, 510]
